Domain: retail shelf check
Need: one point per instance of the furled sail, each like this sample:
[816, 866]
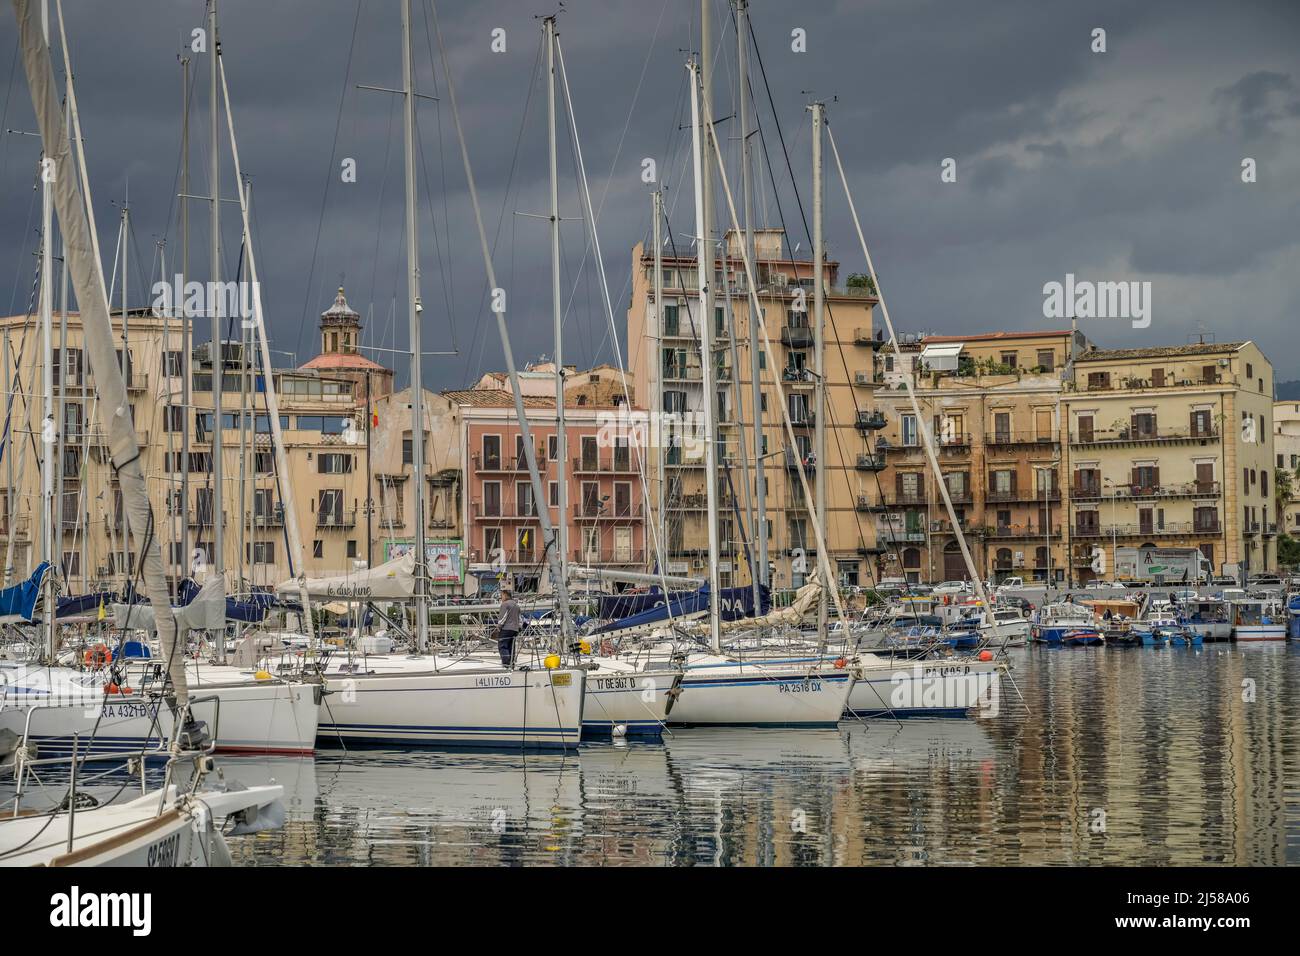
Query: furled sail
[392, 581]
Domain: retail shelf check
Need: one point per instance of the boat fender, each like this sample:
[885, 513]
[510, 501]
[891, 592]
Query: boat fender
[986, 655]
[552, 661]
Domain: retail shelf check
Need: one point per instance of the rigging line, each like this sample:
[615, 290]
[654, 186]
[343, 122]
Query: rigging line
[872, 445]
[379, 206]
[437, 240]
[329, 174]
[479, 343]
[447, 267]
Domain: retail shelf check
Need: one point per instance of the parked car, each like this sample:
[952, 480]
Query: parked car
[951, 587]
[1011, 584]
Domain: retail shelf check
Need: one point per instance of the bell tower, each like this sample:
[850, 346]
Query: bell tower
[340, 328]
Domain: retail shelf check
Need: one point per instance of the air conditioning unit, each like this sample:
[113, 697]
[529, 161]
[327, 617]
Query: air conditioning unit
[779, 279]
[697, 565]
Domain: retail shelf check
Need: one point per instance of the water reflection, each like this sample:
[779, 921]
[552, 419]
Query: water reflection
[1153, 756]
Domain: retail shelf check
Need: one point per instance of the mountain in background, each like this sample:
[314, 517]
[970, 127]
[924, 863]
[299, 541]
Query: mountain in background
[1288, 391]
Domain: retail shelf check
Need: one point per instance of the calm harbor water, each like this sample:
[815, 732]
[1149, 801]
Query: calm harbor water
[1140, 756]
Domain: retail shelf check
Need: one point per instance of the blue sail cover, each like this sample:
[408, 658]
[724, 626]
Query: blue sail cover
[20, 600]
[736, 603]
[74, 605]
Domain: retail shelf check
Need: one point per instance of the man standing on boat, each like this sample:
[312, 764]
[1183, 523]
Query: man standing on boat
[508, 628]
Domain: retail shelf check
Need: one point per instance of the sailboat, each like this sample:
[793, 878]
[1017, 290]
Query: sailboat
[435, 699]
[179, 825]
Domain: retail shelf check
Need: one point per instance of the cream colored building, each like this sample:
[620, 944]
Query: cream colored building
[664, 355]
[1286, 452]
[992, 403]
[1172, 447]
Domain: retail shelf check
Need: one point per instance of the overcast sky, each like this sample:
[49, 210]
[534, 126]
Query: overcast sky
[1122, 165]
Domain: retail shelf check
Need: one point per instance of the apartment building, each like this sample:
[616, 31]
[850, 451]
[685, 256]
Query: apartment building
[991, 402]
[1286, 451]
[1171, 447]
[665, 356]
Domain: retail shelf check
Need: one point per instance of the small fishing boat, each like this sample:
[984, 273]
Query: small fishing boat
[1258, 619]
[1065, 624]
[1210, 617]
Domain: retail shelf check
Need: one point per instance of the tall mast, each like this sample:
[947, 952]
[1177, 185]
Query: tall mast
[187, 321]
[561, 440]
[703, 265]
[755, 349]
[218, 358]
[819, 350]
[415, 308]
[47, 356]
[657, 366]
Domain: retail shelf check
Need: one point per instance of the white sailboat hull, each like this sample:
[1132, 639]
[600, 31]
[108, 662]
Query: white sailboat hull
[926, 688]
[457, 707]
[272, 717]
[1259, 632]
[628, 703]
[133, 833]
[761, 695]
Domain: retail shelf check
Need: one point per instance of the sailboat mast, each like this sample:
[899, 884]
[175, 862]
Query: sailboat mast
[415, 308]
[47, 357]
[819, 348]
[187, 323]
[218, 356]
[703, 265]
[658, 407]
[561, 438]
[755, 350]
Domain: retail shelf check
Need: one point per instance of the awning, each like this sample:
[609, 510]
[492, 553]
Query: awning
[942, 357]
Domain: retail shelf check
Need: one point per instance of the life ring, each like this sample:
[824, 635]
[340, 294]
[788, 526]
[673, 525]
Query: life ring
[97, 655]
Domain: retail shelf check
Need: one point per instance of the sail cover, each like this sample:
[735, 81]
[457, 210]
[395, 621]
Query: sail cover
[737, 604]
[393, 581]
[18, 603]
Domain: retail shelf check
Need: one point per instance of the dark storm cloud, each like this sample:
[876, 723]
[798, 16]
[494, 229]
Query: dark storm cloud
[1122, 165]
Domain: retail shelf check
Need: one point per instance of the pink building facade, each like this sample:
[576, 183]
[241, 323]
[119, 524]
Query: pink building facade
[605, 509]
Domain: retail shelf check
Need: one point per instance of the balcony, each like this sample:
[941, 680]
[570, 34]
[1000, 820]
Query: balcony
[273, 520]
[796, 336]
[502, 511]
[1022, 495]
[608, 556]
[1270, 529]
[1134, 384]
[18, 526]
[1171, 529]
[955, 445]
[794, 462]
[493, 463]
[865, 504]
[439, 522]
[1007, 438]
[798, 378]
[682, 373]
[199, 518]
[391, 522]
[905, 498]
[870, 462]
[1027, 530]
[869, 421]
[866, 378]
[700, 502]
[1186, 489]
[803, 419]
[338, 520]
[900, 535]
[612, 465]
[606, 511]
[1127, 435]
[865, 338]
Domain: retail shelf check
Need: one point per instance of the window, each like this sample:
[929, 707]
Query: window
[524, 500]
[264, 505]
[1200, 422]
[1002, 427]
[71, 564]
[173, 363]
[1085, 428]
[492, 498]
[1008, 359]
[491, 543]
[260, 552]
[408, 451]
[671, 324]
[352, 547]
[1250, 370]
[909, 430]
[1098, 380]
[333, 464]
[1046, 359]
[318, 548]
[1143, 424]
[71, 370]
[492, 451]
[553, 447]
[554, 494]
[173, 418]
[263, 462]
